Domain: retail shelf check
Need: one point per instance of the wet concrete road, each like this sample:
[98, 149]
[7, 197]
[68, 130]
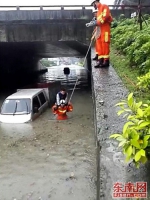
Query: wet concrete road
[48, 159]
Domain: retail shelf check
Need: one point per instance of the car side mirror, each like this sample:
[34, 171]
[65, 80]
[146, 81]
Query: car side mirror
[35, 110]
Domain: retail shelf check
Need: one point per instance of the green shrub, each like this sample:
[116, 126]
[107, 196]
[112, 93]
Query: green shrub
[135, 44]
[144, 82]
[135, 137]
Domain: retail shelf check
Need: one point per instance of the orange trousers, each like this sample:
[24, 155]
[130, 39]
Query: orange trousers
[103, 48]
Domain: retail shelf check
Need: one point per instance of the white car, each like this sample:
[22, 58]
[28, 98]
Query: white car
[23, 106]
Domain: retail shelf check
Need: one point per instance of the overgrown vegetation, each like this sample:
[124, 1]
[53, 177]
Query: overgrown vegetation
[131, 54]
[130, 57]
[133, 43]
[144, 82]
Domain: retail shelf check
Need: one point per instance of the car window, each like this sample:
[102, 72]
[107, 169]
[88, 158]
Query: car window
[36, 102]
[42, 98]
[16, 106]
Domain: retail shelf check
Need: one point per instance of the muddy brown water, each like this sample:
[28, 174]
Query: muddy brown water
[47, 159]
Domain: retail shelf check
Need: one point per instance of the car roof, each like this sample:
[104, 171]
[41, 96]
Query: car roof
[24, 93]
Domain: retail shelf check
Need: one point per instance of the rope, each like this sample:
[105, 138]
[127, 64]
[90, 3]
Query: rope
[82, 66]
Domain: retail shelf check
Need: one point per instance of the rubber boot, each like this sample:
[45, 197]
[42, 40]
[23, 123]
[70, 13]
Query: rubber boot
[105, 63]
[96, 57]
[99, 63]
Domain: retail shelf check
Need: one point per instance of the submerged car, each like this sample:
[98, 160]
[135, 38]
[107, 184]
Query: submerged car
[24, 106]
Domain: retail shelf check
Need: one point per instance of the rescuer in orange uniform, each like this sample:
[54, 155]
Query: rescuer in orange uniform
[95, 35]
[104, 20]
[62, 109]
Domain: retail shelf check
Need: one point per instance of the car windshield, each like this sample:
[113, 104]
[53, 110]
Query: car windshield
[16, 106]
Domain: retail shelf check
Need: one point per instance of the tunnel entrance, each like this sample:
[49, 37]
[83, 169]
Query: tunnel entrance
[66, 70]
[19, 61]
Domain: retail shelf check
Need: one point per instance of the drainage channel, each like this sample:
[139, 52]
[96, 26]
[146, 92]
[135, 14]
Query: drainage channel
[48, 159]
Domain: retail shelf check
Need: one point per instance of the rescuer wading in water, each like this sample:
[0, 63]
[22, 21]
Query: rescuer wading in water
[62, 109]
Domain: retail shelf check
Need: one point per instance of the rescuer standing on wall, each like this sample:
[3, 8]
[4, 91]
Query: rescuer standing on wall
[95, 34]
[103, 20]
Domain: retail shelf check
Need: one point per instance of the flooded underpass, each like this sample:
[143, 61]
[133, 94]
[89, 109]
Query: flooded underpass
[49, 159]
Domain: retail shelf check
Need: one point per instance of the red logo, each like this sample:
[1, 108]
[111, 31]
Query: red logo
[130, 190]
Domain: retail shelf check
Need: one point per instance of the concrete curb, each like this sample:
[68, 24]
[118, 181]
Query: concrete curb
[108, 89]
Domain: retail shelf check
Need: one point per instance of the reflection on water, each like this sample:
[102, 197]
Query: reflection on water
[76, 72]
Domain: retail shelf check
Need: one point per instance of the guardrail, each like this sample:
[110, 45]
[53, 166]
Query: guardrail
[65, 7]
[50, 7]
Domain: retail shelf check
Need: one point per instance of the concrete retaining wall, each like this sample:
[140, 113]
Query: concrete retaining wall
[108, 90]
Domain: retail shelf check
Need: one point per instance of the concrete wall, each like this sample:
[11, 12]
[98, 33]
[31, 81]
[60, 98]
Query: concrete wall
[44, 25]
[33, 15]
[48, 31]
[30, 26]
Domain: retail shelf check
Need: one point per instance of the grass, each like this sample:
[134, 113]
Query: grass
[127, 74]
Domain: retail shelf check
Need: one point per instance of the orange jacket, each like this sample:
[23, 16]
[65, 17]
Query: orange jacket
[62, 110]
[104, 18]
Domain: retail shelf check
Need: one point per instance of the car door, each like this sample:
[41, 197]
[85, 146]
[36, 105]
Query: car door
[35, 107]
[43, 101]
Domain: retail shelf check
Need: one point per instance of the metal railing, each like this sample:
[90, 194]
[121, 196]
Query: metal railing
[64, 7]
[50, 7]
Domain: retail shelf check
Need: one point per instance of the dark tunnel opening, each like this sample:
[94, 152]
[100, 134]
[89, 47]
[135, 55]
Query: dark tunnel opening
[20, 61]
[18, 65]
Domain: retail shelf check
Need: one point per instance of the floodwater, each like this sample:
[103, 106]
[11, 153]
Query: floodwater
[49, 159]
[76, 72]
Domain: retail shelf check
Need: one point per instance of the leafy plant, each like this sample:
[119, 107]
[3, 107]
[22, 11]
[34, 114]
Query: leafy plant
[144, 82]
[135, 137]
[135, 44]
